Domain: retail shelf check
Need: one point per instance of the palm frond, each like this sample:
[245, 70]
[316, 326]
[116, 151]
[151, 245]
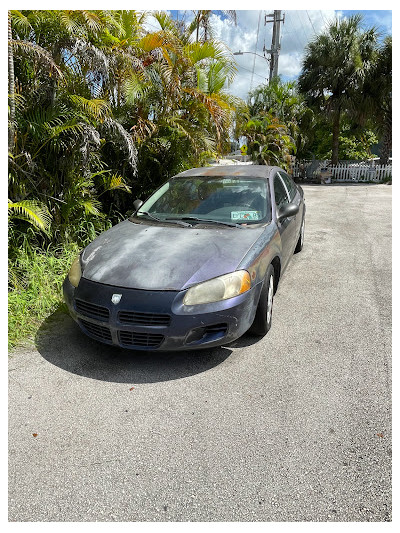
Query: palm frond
[165, 21]
[31, 211]
[118, 135]
[87, 55]
[21, 23]
[143, 129]
[39, 52]
[94, 108]
[136, 88]
[197, 136]
[92, 207]
[198, 51]
[113, 182]
[70, 22]
[93, 21]
[151, 41]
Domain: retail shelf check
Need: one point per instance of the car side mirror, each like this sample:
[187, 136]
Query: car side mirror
[288, 210]
[137, 204]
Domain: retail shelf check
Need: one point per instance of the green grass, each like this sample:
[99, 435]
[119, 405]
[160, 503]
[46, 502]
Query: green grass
[36, 278]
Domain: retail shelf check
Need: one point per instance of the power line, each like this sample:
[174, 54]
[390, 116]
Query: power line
[323, 18]
[309, 18]
[254, 61]
[304, 31]
[294, 33]
[252, 72]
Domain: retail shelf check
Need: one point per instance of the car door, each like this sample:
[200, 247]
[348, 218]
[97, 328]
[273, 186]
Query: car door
[287, 226]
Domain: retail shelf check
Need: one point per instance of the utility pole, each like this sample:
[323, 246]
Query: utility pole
[275, 45]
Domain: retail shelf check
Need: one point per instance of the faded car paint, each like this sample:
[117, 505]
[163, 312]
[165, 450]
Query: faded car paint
[164, 257]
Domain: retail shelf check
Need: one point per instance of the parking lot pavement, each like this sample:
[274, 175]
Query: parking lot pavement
[293, 427]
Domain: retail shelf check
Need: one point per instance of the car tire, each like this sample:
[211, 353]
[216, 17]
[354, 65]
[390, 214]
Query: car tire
[300, 242]
[263, 317]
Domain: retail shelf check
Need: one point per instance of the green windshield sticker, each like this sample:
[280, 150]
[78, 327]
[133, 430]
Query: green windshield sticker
[245, 215]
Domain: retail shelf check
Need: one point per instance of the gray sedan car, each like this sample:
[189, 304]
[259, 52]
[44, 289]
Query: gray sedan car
[195, 266]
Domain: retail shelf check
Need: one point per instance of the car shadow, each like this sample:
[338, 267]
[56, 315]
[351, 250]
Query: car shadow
[60, 341]
[245, 340]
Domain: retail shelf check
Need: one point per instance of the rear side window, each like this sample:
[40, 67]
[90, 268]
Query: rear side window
[281, 195]
[289, 184]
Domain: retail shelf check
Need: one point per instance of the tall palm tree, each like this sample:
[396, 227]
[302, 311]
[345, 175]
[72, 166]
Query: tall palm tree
[11, 87]
[385, 99]
[336, 65]
[377, 98]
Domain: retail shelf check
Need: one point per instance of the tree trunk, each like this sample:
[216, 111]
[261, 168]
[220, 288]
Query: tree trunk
[387, 140]
[11, 88]
[335, 137]
[197, 25]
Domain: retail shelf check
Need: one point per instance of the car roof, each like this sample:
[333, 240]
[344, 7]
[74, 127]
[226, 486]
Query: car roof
[254, 171]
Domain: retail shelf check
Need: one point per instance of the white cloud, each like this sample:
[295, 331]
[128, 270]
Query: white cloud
[252, 35]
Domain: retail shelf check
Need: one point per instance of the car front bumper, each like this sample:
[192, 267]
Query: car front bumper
[157, 320]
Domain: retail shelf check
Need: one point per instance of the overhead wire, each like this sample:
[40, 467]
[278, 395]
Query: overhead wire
[293, 32]
[265, 31]
[251, 71]
[255, 51]
[302, 27]
[323, 18]
[309, 18]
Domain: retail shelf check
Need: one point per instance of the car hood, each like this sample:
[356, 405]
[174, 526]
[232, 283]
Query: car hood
[154, 257]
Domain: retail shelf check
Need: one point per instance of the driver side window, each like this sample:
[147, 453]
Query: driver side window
[281, 197]
[291, 187]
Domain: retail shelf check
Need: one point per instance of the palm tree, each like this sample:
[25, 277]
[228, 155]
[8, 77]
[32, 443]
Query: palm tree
[269, 140]
[377, 98]
[11, 87]
[282, 100]
[384, 99]
[336, 65]
[182, 85]
[116, 92]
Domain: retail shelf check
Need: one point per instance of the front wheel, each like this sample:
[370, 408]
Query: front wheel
[263, 318]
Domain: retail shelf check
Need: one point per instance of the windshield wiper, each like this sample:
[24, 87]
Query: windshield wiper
[168, 220]
[209, 221]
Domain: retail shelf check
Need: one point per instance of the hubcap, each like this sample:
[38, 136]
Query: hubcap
[270, 298]
[302, 233]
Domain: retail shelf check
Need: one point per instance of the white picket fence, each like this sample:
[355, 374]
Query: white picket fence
[360, 173]
[346, 172]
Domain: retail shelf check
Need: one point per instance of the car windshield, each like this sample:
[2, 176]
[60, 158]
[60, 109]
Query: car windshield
[229, 200]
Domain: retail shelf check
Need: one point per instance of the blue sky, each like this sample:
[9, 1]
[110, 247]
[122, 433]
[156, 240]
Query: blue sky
[251, 35]
[380, 19]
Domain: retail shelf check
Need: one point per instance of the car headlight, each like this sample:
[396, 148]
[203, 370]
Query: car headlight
[75, 272]
[221, 288]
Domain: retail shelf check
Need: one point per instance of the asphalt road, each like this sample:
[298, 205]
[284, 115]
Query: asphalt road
[293, 427]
